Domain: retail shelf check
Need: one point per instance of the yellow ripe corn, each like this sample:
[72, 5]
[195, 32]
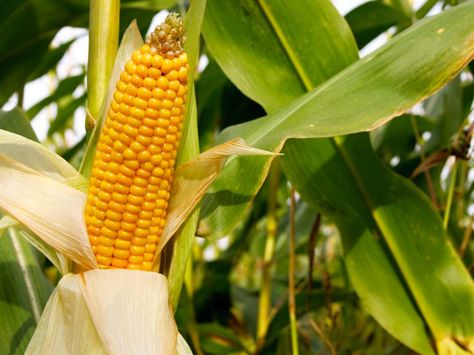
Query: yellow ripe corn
[134, 163]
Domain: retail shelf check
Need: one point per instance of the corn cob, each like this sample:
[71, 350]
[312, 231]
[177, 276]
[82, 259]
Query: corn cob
[134, 162]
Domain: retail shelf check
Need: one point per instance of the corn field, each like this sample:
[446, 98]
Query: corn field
[236, 177]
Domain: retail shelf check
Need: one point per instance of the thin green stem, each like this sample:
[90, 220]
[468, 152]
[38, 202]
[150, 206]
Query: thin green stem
[425, 8]
[272, 228]
[460, 201]
[189, 289]
[466, 239]
[182, 245]
[429, 181]
[182, 8]
[291, 277]
[21, 96]
[323, 337]
[311, 246]
[103, 44]
[452, 184]
[189, 275]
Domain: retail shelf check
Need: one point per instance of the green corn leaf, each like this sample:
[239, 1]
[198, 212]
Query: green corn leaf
[371, 19]
[375, 89]
[65, 87]
[23, 294]
[178, 252]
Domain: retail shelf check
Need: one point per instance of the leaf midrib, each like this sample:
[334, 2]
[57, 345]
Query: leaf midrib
[27, 277]
[305, 79]
[286, 45]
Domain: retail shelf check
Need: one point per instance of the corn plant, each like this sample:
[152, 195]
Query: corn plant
[330, 210]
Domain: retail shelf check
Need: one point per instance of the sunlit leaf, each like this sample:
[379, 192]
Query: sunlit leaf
[65, 113]
[177, 253]
[50, 60]
[371, 19]
[193, 178]
[16, 121]
[65, 87]
[347, 103]
[373, 85]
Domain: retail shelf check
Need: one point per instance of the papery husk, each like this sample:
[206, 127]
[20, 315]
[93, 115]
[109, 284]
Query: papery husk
[7, 222]
[131, 311]
[52, 210]
[57, 259]
[36, 157]
[182, 347]
[66, 326]
[108, 311]
[43, 160]
[193, 178]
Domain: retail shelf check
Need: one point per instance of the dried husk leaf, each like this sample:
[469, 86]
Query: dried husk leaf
[182, 348]
[52, 210]
[108, 312]
[36, 157]
[193, 178]
[7, 222]
[41, 159]
[57, 259]
[66, 326]
[60, 261]
[131, 311]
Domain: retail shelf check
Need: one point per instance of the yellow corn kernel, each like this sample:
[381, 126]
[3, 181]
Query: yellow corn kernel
[145, 49]
[131, 266]
[135, 259]
[128, 227]
[121, 254]
[129, 217]
[105, 251]
[123, 245]
[132, 208]
[103, 261]
[137, 251]
[144, 140]
[154, 73]
[172, 75]
[147, 266]
[134, 163]
[152, 113]
[167, 66]
[144, 93]
[108, 233]
[119, 263]
[139, 241]
[106, 242]
[124, 235]
[144, 174]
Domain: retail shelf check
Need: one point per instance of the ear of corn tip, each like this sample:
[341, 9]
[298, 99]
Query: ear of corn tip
[134, 163]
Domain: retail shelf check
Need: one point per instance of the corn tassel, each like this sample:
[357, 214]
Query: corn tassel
[134, 163]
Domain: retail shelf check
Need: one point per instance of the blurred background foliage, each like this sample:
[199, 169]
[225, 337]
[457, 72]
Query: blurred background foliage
[219, 308]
